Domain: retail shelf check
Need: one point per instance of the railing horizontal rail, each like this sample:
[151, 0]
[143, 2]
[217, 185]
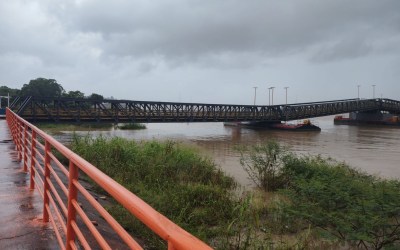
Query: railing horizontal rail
[61, 207]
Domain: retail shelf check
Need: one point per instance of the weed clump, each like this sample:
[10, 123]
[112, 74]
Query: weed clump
[264, 164]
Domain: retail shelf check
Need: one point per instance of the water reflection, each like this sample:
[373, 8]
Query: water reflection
[373, 149]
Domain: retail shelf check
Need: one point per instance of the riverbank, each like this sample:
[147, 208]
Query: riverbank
[191, 191]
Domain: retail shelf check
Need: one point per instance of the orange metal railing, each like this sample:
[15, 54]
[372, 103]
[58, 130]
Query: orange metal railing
[59, 186]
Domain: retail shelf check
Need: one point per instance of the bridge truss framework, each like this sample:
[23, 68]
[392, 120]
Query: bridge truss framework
[40, 109]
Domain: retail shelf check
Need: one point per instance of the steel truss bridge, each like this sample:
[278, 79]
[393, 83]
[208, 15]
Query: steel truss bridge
[40, 109]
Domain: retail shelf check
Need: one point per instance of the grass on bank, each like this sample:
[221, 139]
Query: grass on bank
[180, 184]
[303, 202]
[334, 203]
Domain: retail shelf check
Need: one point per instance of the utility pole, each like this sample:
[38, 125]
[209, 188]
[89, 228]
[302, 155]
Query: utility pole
[358, 91]
[373, 91]
[255, 95]
[286, 93]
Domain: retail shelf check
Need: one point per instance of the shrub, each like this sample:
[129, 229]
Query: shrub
[264, 164]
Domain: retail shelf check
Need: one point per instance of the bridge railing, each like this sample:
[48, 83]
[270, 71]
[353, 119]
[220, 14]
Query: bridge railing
[60, 188]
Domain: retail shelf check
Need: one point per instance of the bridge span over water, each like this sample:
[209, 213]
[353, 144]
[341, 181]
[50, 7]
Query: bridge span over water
[41, 109]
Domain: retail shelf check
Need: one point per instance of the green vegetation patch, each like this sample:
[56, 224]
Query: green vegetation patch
[184, 186]
[132, 126]
[349, 205]
[302, 202]
[329, 199]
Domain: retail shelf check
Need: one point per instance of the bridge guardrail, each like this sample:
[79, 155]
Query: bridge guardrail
[60, 201]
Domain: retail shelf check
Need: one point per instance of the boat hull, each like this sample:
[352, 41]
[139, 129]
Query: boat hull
[296, 127]
[306, 126]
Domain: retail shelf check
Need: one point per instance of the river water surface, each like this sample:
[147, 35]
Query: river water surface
[375, 150]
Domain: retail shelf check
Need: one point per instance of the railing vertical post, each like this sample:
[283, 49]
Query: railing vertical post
[19, 141]
[33, 157]
[170, 246]
[10, 120]
[72, 195]
[46, 180]
[13, 126]
[25, 148]
[14, 132]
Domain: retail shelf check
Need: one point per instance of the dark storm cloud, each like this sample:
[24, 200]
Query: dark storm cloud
[345, 49]
[196, 30]
[203, 50]
[28, 30]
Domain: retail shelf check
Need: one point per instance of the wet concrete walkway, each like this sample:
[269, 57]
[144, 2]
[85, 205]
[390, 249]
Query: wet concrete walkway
[21, 225]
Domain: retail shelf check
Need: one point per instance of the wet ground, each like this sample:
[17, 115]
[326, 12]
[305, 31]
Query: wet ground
[21, 225]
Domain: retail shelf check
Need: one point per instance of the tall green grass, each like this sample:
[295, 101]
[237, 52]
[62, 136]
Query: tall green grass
[175, 180]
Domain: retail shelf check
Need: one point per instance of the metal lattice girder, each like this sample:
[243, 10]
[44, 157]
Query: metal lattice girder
[87, 110]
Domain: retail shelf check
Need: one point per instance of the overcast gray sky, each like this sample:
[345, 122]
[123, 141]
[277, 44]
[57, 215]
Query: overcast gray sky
[212, 51]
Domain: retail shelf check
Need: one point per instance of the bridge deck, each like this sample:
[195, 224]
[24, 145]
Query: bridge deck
[21, 208]
[87, 110]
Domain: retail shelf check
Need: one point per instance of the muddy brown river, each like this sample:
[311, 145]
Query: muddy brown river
[375, 150]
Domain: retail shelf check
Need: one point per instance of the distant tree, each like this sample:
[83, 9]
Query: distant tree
[5, 91]
[95, 96]
[74, 94]
[42, 87]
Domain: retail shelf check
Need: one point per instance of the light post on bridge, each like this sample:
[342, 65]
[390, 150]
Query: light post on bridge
[358, 91]
[373, 91]
[286, 88]
[269, 96]
[255, 95]
[286, 93]
[272, 94]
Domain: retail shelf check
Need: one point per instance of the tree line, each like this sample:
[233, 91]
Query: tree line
[45, 88]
